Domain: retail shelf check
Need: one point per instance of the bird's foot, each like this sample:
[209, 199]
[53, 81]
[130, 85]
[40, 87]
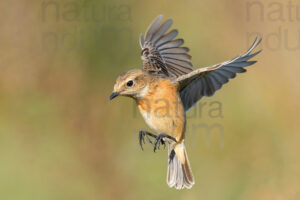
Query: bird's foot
[145, 134]
[160, 140]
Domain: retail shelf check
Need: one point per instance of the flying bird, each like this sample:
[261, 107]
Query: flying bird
[167, 86]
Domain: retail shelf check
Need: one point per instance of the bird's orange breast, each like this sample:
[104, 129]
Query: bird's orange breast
[162, 109]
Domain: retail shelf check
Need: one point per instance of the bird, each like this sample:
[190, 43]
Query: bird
[167, 87]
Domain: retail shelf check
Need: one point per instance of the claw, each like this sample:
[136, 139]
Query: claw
[159, 140]
[141, 138]
[148, 139]
[142, 135]
[155, 144]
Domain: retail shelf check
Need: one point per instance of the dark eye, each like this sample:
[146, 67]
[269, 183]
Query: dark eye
[130, 83]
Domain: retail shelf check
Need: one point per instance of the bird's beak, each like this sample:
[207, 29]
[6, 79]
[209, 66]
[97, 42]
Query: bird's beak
[113, 95]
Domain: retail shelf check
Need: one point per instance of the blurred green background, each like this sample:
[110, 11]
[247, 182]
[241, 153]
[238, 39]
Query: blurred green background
[60, 137]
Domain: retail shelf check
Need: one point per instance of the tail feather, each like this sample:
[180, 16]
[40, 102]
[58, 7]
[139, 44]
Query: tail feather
[179, 173]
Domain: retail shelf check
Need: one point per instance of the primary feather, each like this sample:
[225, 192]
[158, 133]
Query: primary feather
[206, 81]
[161, 54]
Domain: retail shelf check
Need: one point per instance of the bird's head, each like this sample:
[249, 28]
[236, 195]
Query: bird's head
[133, 83]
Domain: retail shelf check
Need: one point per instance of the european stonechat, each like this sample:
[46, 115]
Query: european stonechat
[167, 87]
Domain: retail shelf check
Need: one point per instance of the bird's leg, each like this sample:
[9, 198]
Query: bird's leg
[159, 139]
[142, 135]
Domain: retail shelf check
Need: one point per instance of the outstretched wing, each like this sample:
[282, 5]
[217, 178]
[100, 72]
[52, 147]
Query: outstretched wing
[205, 81]
[161, 53]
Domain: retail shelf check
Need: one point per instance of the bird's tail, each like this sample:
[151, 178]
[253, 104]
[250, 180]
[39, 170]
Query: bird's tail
[179, 173]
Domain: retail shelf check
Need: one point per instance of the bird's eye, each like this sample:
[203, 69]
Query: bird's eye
[130, 83]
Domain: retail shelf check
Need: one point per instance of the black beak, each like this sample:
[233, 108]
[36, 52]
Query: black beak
[113, 95]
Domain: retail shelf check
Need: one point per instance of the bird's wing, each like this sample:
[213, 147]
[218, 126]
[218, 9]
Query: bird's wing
[205, 81]
[161, 53]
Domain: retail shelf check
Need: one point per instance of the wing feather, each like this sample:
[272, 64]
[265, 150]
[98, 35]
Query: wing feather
[179, 63]
[171, 44]
[206, 81]
[162, 30]
[182, 57]
[175, 50]
[153, 27]
[161, 53]
[167, 37]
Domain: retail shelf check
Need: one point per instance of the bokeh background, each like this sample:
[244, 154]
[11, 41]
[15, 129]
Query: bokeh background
[60, 137]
